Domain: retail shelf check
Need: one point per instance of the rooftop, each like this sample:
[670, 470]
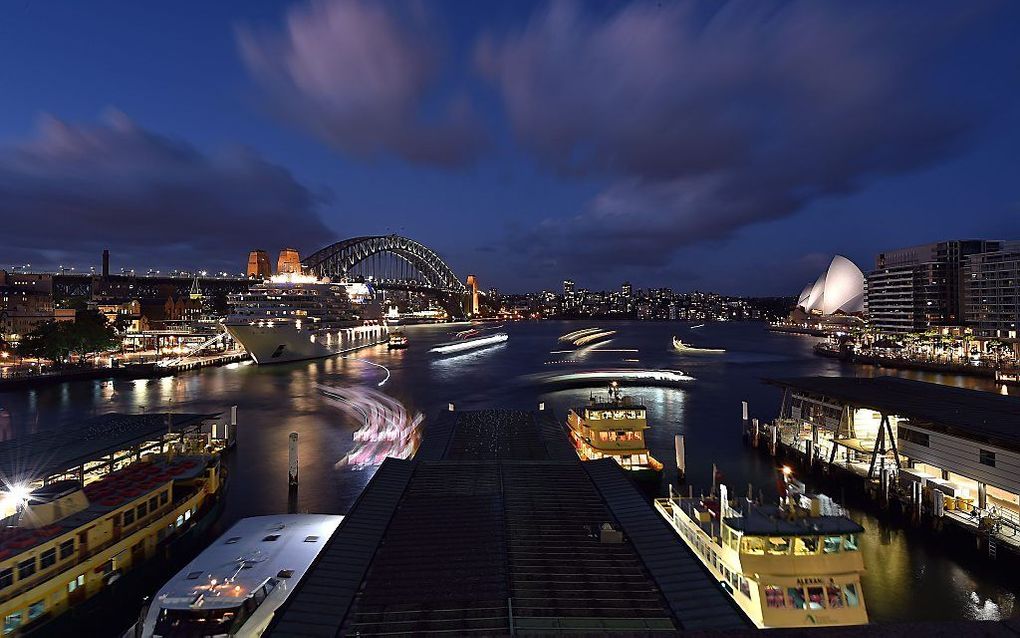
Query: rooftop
[970, 414]
[57, 450]
[769, 520]
[494, 528]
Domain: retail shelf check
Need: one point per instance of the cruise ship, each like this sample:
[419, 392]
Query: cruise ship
[614, 427]
[794, 564]
[294, 316]
[235, 586]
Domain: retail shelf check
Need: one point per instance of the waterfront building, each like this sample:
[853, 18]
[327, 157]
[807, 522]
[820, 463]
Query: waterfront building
[917, 288]
[26, 301]
[951, 453]
[496, 528]
[991, 286]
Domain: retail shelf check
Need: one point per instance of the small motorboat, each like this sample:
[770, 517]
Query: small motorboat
[684, 347]
[396, 341]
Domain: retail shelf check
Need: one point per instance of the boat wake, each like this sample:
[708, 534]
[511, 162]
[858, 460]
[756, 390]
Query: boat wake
[386, 427]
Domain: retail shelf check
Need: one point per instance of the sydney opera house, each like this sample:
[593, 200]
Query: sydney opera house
[836, 298]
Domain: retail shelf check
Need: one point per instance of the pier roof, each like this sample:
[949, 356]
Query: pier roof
[57, 450]
[494, 529]
[970, 414]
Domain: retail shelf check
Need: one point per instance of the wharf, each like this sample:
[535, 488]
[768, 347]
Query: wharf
[944, 456]
[497, 528]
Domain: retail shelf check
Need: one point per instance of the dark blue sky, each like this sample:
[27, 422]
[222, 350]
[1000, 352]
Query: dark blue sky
[729, 146]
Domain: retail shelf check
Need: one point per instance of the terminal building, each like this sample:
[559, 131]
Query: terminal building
[496, 528]
[954, 453]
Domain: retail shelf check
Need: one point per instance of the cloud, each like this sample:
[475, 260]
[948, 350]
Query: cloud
[362, 77]
[75, 189]
[707, 118]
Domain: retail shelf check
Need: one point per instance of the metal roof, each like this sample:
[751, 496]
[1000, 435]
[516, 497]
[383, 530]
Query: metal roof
[970, 414]
[57, 450]
[495, 531]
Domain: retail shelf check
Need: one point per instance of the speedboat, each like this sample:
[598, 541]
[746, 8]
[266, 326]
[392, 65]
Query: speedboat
[684, 347]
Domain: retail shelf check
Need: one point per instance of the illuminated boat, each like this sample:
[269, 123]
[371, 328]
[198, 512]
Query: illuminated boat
[236, 585]
[396, 341]
[470, 343]
[614, 427]
[684, 347]
[795, 564]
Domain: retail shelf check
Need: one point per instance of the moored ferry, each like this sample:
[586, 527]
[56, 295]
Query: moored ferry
[614, 427]
[70, 534]
[795, 564]
[235, 586]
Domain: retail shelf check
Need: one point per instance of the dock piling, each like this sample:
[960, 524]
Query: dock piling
[681, 457]
[292, 472]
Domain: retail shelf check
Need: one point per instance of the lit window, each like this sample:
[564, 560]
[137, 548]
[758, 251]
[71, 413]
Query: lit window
[6, 578]
[852, 600]
[26, 568]
[796, 596]
[12, 622]
[36, 609]
[774, 597]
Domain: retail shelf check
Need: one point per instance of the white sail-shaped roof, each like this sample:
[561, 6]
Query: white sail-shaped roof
[844, 287]
[839, 289]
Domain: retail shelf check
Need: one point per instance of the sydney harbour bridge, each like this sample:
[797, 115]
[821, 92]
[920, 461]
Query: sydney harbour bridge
[393, 262]
[387, 262]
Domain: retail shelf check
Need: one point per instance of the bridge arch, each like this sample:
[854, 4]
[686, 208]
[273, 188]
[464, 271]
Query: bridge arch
[339, 260]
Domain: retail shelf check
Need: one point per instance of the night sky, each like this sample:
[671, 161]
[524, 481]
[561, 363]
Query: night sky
[728, 146]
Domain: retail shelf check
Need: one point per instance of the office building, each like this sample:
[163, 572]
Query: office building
[917, 288]
[991, 287]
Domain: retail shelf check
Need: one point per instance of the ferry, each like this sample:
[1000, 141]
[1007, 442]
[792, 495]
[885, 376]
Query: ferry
[614, 427]
[63, 543]
[587, 336]
[685, 347]
[794, 564]
[235, 586]
[396, 341]
[470, 342]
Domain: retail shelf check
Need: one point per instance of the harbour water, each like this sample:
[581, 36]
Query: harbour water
[911, 575]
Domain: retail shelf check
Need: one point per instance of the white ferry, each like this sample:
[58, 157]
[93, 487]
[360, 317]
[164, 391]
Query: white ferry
[796, 564]
[234, 587]
[294, 316]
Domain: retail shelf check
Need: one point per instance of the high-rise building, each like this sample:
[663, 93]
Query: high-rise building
[258, 265]
[626, 289]
[568, 287]
[991, 285]
[917, 288]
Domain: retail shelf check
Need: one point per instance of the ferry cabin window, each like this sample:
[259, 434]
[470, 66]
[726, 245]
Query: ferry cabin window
[815, 597]
[12, 622]
[129, 518]
[850, 543]
[805, 545]
[779, 545]
[153, 503]
[987, 458]
[834, 596]
[164, 497]
[76, 583]
[66, 548]
[26, 568]
[852, 600]
[142, 510]
[48, 558]
[36, 609]
[774, 597]
[796, 595]
[832, 543]
[6, 578]
[189, 622]
[752, 545]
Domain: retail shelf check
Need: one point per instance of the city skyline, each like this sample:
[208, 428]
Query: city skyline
[525, 142]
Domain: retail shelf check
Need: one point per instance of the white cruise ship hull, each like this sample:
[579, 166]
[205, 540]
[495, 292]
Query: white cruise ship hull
[283, 341]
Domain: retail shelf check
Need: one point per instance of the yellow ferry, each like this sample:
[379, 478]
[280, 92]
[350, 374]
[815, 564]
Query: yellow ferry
[795, 564]
[67, 535]
[614, 427]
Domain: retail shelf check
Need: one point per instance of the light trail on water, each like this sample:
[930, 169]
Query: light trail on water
[386, 427]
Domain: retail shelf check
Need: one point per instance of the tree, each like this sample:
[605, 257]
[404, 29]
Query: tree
[88, 334]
